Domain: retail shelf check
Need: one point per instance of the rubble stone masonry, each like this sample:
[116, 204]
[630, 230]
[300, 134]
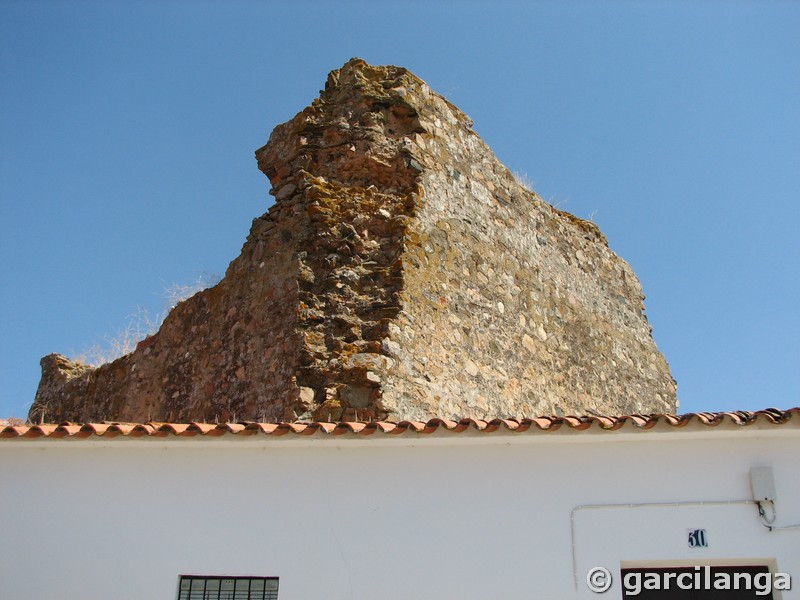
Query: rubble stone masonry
[402, 273]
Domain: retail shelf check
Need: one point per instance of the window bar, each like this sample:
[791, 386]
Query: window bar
[237, 588]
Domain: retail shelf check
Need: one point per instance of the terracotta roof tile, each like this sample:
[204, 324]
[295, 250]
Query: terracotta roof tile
[140, 429]
[770, 416]
[179, 428]
[267, 428]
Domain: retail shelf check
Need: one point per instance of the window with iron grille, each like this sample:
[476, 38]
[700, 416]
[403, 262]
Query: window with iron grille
[214, 587]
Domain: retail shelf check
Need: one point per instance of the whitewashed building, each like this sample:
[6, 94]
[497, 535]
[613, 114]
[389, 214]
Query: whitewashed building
[468, 510]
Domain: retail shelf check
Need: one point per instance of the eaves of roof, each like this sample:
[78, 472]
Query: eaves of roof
[589, 423]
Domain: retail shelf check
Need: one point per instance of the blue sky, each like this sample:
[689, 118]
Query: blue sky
[127, 133]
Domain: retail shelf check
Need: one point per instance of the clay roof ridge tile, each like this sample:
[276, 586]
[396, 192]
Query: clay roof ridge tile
[12, 431]
[44, 430]
[324, 427]
[90, 429]
[265, 428]
[708, 419]
[775, 415]
[296, 428]
[234, 428]
[119, 429]
[674, 420]
[349, 427]
[610, 423]
[165, 429]
[644, 421]
[509, 424]
[142, 429]
[478, 424]
[382, 426]
[66, 429]
[579, 423]
[542, 423]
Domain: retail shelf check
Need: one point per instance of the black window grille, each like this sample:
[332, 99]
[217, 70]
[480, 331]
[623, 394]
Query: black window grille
[215, 587]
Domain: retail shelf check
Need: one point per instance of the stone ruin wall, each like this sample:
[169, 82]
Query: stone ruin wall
[403, 273]
[511, 306]
[225, 352]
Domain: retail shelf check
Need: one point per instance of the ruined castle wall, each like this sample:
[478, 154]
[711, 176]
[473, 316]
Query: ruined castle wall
[402, 273]
[226, 353]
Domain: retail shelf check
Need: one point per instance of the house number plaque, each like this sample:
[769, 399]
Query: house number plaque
[697, 538]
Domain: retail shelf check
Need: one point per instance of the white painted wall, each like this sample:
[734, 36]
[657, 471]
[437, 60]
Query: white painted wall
[450, 516]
